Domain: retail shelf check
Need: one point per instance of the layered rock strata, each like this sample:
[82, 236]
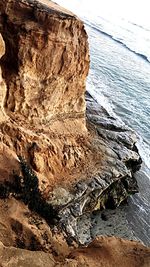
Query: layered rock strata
[82, 165]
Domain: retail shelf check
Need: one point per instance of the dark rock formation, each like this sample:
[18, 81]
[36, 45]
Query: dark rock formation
[114, 181]
[72, 163]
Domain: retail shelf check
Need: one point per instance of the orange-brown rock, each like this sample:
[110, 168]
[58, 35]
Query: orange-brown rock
[42, 100]
[113, 252]
[2, 83]
[19, 227]
[45, 62]
[102, 252]
[80, 167]
[42, 95]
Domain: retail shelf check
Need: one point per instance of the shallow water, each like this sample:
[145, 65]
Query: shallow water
[138, 210]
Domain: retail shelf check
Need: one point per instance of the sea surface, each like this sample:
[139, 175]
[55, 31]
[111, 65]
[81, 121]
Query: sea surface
[119, 79]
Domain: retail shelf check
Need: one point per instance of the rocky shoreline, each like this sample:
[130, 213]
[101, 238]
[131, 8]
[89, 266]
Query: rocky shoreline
[115, 180]
[62, 157]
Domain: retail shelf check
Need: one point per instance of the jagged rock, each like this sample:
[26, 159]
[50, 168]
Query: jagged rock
[81, 165]
[115, 179]
[78, 164]
[44, 102]
[102, 252]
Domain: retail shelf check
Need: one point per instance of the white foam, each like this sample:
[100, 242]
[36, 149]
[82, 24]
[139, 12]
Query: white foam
[102, 100]
[144, 150]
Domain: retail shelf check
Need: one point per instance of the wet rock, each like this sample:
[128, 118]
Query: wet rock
[115, 180]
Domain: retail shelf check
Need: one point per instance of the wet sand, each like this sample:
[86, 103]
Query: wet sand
[108, 223]
[138, 210]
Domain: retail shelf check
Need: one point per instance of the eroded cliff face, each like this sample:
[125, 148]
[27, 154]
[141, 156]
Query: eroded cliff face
[75, 164]
[44, 67]
[45, 64]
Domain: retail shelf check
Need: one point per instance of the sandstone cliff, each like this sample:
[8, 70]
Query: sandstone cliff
[46, 62]
[44, 67]
[51, 154]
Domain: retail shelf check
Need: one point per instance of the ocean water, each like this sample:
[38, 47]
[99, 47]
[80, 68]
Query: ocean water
[119, 79]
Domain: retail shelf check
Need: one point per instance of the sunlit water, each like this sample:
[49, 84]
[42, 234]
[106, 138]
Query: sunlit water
[119, 78]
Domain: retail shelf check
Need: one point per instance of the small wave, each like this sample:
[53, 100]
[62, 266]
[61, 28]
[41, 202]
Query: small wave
[139, 26]
[144, 151]
[100, 98]
[103, 101]
[144, 57]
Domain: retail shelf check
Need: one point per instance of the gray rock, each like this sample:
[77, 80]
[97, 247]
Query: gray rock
[111, 185]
